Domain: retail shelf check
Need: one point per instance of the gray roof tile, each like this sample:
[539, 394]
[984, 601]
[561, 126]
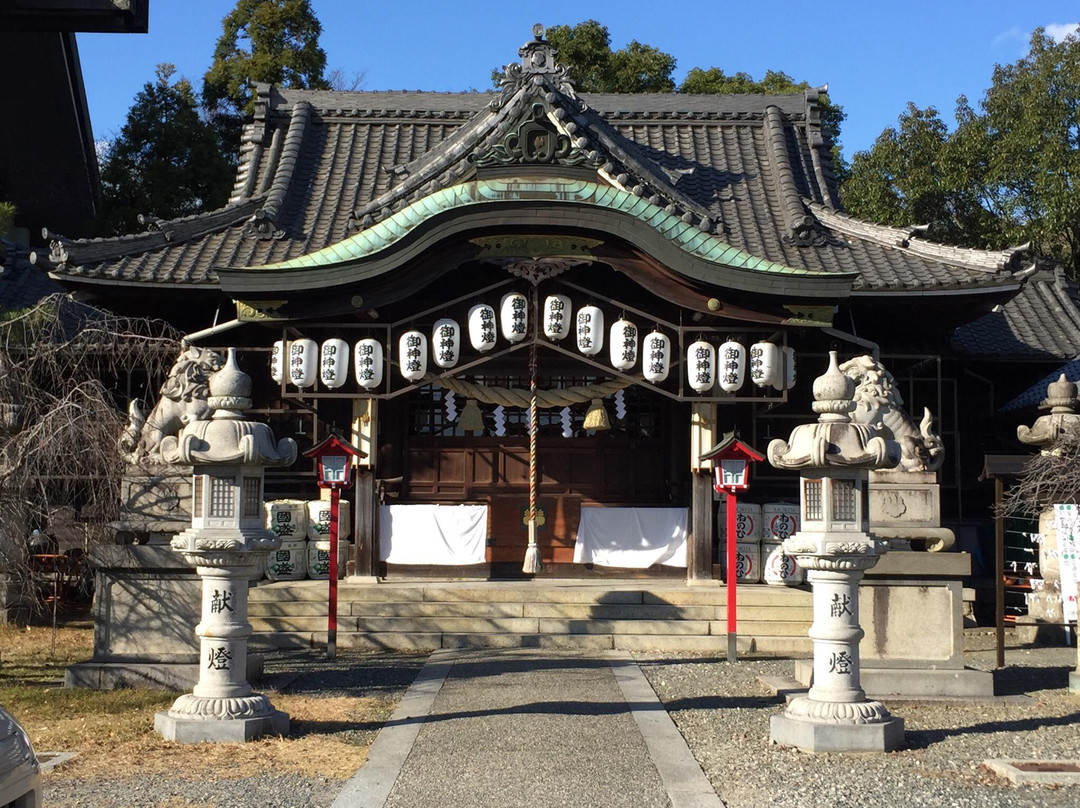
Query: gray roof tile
[324, 155]
[1041, 322]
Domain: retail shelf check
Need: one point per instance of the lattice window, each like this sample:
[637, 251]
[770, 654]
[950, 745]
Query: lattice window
[812, 499]
[252, 497]
[222, 497]
[843, 509]
[197, 505]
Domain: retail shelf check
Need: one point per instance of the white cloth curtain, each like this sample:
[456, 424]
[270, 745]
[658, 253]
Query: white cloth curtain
[635, 538]
[433, 534]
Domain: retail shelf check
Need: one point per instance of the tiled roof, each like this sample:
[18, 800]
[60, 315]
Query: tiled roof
[1041, 322]
[21, 286]
[317, 167]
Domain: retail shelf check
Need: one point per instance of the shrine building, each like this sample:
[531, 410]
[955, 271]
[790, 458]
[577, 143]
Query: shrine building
[415, 269]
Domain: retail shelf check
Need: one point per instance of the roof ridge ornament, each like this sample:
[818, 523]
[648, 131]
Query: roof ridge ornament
[539, 66]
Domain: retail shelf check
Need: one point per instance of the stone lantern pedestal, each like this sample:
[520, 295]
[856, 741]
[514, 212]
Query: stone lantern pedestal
[228, 545]
[833, 457]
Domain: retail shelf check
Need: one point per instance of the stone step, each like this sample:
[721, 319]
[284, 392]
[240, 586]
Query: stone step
[432, 640]
[517, 625]
[558, 626]
[469, 625]
[570, 611]
[501, 592]
[285, 608]
[425, 609]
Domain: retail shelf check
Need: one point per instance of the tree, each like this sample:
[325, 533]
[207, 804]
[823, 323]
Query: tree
[166, 161]
[714, 81]
[596, 68]
[638, 68]
[1008, 173]
[274, 41]
[63, 366]
[917, 174]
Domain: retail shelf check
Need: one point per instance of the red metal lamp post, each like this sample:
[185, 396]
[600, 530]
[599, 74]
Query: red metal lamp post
[731, 463]
[334, 458]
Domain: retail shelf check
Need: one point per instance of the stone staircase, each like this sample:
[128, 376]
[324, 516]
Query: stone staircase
[573, 615]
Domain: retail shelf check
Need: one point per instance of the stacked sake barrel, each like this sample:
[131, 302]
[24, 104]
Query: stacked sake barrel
[747, 541]
[288, 519]
[779, 521]
[318, 546]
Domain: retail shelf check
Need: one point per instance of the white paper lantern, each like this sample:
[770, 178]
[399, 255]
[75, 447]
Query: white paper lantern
[701, 365]
[277, 361]
[514, 316]
[303, 362]
[656, 357]
[557, 317]
[412, 355]
[446, 342]
[590, 330]
[482, 327]
[622, 344]
[368, 363]
[334, 363]
[765, 364]
[732, 358]
[789, 368]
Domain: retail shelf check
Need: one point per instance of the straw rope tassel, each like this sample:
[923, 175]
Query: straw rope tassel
[533, 564]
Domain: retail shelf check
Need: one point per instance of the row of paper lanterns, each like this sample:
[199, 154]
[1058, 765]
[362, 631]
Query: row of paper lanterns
[303, 362]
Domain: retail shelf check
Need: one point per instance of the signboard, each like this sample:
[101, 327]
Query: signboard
[1067, 526]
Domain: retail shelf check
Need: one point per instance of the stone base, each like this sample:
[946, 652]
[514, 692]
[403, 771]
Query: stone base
[814, 737]
[1074, 681]
[913, 683]
[211, 730]
[178, 674]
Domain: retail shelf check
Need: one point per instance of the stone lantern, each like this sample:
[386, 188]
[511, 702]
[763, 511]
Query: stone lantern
[833, 457]
[1062, 421]
[228, 545]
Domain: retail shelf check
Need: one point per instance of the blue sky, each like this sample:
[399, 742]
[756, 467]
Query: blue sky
[874, 54]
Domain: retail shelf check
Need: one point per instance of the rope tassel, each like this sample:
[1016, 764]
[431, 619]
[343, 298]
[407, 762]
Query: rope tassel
[597, 417]
[471, 419]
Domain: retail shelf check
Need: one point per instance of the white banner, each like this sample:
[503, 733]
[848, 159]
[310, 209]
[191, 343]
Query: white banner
[1067, 527]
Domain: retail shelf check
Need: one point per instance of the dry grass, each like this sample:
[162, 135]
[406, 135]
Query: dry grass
[110, 730]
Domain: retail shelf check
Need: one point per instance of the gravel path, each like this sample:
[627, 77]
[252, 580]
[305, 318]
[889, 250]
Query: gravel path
[723, 712]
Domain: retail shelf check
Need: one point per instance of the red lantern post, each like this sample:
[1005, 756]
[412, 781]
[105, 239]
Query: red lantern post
[731, 463]
[334, 458]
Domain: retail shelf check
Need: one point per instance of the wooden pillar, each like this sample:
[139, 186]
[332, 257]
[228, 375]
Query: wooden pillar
[699, 556]
[365, 524]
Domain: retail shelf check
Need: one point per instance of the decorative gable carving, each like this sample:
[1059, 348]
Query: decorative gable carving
[537, 65]
[537, 141]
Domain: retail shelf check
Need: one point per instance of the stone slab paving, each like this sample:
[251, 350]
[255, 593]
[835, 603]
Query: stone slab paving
[529, 728]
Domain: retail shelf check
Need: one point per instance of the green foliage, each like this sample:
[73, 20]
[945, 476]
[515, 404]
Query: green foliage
[273, 41]
[1007, 174]
[596, 68]
[917, 174]
[8, 212]
[775, 82]
[166, 161]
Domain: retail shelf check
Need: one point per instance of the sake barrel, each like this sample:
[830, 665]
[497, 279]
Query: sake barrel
[779, 520]
[288, 562]
[318, 512]
[778, 568]
[747, 563]
[287, 518]
[318, 559]
[747, 522]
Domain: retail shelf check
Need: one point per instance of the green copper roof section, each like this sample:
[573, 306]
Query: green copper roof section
[686, 237]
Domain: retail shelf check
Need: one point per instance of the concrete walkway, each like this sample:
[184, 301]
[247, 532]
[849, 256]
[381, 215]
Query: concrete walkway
[529, 728]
